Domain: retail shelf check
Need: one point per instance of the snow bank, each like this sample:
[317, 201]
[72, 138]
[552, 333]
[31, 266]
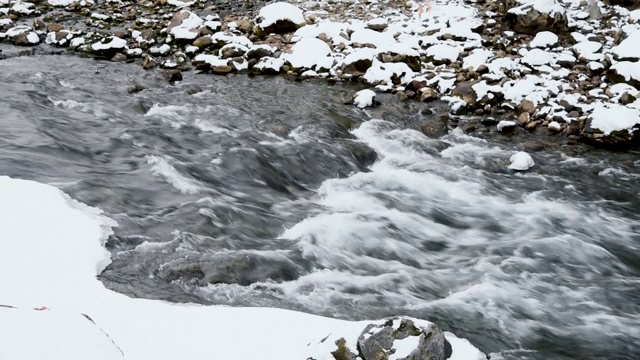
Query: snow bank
[50, 254]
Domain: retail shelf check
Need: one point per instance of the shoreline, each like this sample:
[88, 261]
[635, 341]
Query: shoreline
[540, 65]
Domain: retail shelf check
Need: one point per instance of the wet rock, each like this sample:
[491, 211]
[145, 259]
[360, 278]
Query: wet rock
[203, 42]
[119, 57]
[221, 69]
[434, 128]
[523, 119]
[148, 62]
[135, 88]
[172, 75]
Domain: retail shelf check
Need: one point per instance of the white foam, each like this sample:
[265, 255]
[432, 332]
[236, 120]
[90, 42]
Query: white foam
[161, 166]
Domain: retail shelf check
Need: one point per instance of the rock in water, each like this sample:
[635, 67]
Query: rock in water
[521, 161]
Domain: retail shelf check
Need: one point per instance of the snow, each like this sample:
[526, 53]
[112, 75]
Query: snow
[61, 2]
[476, 58]
[310, 53]
[270, 63]
[33, 38]
[544, 39]
[383, 72]
[44, 328]
[543, 6]
[179, 3]
[364, 98]
[629, 70]
[521, 161]
[51, 251]
[187, 30]
[629, 47]
[444, 52]
[614, 117]
[537, 57]
[586, 48]
[280, 11]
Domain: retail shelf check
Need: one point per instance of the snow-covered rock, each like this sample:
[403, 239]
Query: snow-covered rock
[279, 17]
[364, 98]
[544, 39]
[614, 117]
[184, 26]
[310, 53]
[629, 48]
[521, 161]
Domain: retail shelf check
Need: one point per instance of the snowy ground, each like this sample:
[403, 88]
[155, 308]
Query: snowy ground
[50, 253]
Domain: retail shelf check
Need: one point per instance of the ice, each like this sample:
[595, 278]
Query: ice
[51, 251]
[364, 98]
[521, 161]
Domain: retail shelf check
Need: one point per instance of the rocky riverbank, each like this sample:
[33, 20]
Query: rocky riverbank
[567, 69]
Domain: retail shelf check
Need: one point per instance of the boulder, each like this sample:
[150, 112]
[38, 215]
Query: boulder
[541, 15]
[434, 128]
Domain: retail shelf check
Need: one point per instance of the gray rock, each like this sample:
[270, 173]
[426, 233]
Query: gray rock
[377, 341]
[528, 20]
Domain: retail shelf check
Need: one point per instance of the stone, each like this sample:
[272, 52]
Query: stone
[626, 98]
[523, 119]
[428, 94]
[413, 62]
[527, 106]
[203, 42]
[119, 57]
[464, 90]
[221, 69]
[433, 128]
[149, 63]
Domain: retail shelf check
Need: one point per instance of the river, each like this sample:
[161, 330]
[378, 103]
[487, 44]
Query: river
[269, 192]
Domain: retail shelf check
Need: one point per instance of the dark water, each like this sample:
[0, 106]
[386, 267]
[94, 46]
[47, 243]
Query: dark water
[268, 192]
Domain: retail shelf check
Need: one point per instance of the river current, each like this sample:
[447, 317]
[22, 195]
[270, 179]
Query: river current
[270, 192]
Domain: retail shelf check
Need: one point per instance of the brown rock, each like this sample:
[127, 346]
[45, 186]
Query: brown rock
[465, 91]
[428, 94]
[531, 125]
[221, 69]
[149, 63]
[119, 57]
[527, 106]
[523, 118]
[203, 42]
[55, 27]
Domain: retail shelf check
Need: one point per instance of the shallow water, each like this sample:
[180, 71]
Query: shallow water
[254, 192]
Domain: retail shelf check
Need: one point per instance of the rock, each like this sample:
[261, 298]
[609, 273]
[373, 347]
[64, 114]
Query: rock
[411, 58]
[428, 94]
[259, 51]
[26, 39]
[464, 90]
[184, 26]
[119, 57]
[148, 62]
[203, 42]
[554, 127]
[531, 126]
[378, 341]
[232, 51]
[543, 15]
[172, 75]
[523, 119]
[278, 18]
[527, 106]
[109, 46]
[626, 98]
[135, 88]
[506, 126]
[533, 146]
[221, 69]
[433, 128]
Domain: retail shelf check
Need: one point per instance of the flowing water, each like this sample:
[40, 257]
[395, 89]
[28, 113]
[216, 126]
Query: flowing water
[270, 192]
